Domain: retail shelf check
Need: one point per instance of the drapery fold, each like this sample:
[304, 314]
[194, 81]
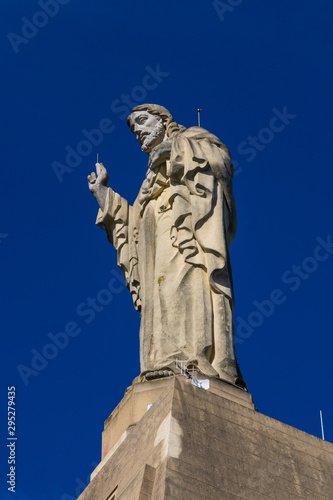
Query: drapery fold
[173, 248]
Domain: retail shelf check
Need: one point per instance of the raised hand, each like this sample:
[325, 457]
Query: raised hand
[102, 178]
[97, 183]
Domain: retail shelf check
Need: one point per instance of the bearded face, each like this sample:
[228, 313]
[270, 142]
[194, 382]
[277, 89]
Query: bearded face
[148, 129]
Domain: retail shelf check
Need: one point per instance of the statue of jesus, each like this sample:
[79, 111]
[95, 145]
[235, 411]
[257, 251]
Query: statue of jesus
[173, 246]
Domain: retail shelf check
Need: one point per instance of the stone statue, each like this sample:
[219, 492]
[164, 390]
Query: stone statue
[173, 246]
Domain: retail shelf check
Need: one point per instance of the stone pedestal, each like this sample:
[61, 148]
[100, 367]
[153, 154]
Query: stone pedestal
[205, 444]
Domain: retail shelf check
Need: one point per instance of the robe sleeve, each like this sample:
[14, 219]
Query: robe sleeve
[117, 220]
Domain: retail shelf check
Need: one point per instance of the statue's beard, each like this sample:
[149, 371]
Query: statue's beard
[151, 140]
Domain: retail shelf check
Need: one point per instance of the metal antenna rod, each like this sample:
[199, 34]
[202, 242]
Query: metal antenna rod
[322, 425]
[199, 116]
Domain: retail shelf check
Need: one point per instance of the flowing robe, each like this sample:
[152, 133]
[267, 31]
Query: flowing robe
[173, 248]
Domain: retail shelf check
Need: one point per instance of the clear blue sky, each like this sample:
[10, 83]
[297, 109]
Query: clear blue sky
[262, 74]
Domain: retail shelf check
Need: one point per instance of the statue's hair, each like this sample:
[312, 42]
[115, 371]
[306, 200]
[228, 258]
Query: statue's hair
[171, 126]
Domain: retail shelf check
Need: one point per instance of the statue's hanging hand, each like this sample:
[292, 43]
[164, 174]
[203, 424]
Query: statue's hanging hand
[97, 183]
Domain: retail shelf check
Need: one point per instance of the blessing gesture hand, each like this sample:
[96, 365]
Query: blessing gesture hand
[101, 179]
[97, 183]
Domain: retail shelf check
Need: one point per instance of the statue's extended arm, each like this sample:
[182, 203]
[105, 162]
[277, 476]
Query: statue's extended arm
[115, 217]
[98, 184]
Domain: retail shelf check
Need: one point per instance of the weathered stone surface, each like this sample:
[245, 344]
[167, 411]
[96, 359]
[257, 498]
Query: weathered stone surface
[134, 406]
[198, 444]
[173, 246]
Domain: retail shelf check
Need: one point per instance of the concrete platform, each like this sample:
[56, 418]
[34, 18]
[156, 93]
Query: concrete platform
[208, 445]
